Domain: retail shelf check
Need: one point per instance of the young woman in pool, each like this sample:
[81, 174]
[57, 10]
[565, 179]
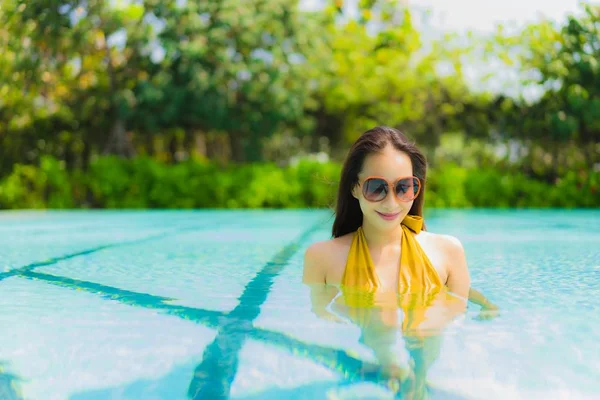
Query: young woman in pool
[381, 259]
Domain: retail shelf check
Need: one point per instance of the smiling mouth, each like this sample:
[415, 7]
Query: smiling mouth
[388, 216]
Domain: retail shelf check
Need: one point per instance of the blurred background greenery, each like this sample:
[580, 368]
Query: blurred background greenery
[254, 103]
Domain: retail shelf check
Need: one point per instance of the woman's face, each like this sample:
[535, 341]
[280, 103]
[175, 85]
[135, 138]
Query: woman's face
[390, 164]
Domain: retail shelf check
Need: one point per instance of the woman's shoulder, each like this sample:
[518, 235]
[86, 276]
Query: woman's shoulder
[442, 240]
[327, 249]
[327, 257]
[452, 261]
[448, 246]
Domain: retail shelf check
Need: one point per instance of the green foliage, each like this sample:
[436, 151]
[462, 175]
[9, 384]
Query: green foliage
[375, 70]
[453, 186]
[446, 187]
[82, 79]
[112, 182]
[318, 182]
[561, 63]
[46, 186]
[231, 68]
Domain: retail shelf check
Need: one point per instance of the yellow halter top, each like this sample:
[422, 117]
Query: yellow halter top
[416, 271]
[418, 284]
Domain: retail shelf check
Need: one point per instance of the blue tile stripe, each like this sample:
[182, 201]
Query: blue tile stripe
[144, 300]
[336, 359]
[54, 260]
[213, 377]
[9, 387]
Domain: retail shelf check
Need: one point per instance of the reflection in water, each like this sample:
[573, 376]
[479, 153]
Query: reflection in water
[415, 319]
[9, 389]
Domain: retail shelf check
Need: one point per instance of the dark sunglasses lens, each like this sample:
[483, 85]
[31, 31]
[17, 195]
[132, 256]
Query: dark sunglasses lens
[375, 189]
[407, 188]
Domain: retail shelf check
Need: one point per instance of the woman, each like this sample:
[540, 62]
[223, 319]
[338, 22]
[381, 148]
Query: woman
[381, 259]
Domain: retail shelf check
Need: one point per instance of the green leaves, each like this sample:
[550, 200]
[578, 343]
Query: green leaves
[113, 182]
[121, 76]
[236, 67]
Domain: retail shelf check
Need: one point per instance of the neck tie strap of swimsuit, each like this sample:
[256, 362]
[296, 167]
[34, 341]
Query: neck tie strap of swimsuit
[413, 222]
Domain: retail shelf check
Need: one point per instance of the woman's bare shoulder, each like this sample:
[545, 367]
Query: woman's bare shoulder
[328, 249]
[455, 262]
[326, 259]
[443, 250]
[446, 243]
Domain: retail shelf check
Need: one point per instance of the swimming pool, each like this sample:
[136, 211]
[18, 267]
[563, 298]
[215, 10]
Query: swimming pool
[208, 304]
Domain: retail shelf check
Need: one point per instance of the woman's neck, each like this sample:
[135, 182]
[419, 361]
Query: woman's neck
[378, 238]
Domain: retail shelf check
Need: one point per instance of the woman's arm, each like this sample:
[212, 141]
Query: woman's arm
[321, 296]
[459, 280]
[488, 309]
[313, 271]
[313, 276]
[478, 298]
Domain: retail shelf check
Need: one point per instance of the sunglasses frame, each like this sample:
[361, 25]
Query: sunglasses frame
[391, 187]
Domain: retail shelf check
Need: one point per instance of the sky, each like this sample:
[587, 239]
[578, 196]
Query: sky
[460, 16]
[482, 15]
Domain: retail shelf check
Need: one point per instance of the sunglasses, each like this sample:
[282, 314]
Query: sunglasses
[376, 188]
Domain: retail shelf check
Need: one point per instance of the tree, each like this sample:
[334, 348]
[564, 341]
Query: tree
[235, 68]
[79, 61]
[561, 63]
[379, 72]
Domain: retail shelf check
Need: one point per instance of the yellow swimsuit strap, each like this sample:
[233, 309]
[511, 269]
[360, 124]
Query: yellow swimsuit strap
[416, 271]
[418, 280]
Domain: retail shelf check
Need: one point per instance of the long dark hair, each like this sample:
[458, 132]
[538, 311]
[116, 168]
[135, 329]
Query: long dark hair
[348, 215]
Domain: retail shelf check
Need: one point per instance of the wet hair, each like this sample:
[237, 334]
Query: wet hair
[348, 215]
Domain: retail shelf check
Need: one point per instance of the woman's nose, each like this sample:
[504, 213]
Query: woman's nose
[391, 201]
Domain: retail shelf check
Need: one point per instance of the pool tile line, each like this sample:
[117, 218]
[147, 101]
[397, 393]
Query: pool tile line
[213, 377]
[336, 359]
[51, 261]
[236, 325]
[9, 385]
[55, 260]
[131, 298]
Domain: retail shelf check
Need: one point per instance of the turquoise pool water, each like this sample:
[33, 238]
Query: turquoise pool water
[208, 304]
